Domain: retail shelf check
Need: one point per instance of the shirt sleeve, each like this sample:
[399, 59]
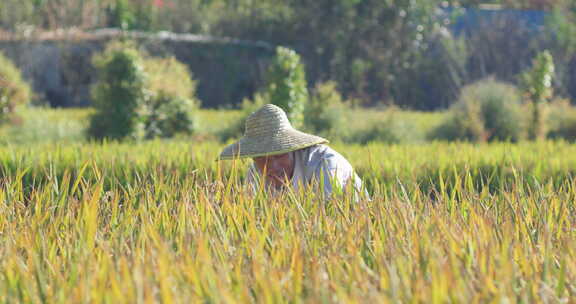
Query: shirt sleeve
[336, 176]
[333, 173]
[252, 179]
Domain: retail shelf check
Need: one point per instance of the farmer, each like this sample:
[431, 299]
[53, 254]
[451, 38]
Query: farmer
[286, 157]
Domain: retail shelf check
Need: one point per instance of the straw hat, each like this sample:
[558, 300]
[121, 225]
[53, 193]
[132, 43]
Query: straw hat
[268, 132]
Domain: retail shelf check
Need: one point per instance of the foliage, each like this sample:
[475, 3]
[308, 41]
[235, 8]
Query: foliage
[566, 129]
[560, 39]
[69, 125]
[324, 114]
[210, 124]
[130, 15]
[14, 91]
[46, 125]
[537, 84]
[375, 50]
[141, 97]
[171, 77]
[120, 15]
[382, 132]
[15, 13]
[287, 87]
[389, 128]
[169, 115]
[562, 120]
[463, 124]
[171, 108]
[437, 76]
[120, 94]
[152, 221]
[66, 124]
[486, 111]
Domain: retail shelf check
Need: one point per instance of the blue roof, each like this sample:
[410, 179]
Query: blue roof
[469, 19]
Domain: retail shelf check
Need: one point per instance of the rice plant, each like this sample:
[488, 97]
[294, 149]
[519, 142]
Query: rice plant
[165, 222]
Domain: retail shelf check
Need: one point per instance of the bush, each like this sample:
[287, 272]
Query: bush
[170, 77]
[169, 116]
[120, 94]
[324, 114]
[14, 91]
[486, 111]
[537, 84]
[287, 85]
[436, 76]
[171, 108]
[562, 120]
[560, 38]
[463, 123]
[389, 129]
[140, 97]
[46, 125]
[566, 130]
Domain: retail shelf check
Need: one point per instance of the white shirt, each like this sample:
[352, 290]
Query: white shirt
[314, 162]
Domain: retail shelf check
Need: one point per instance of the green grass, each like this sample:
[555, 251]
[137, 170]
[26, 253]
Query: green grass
[365, 118]
[69, 125]
[212, 122]
[46, 125]
[163, 222]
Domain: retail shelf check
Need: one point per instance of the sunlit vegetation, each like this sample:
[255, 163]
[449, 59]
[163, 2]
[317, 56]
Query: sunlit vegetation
[164, 221]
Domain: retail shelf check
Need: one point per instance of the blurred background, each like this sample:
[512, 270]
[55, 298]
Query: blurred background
[400, 70]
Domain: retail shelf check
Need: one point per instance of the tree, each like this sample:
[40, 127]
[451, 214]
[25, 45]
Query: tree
[14, 91]
[287, 87]
[120, 94]
[141, 97]
[537, 83]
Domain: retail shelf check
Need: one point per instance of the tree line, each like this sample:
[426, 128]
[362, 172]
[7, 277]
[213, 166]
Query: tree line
[398, 51]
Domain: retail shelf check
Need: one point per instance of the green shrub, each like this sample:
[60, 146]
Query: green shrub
[171, 77]
[14, 91]
[173, 103]
[435, 77]
[389, 129]
[140, 97]
[120, 15]
[131, 15]
[562, 120]
[169, 116]
[324, 114]
[287, 85]
[537, 84]
[464, 122]
[486, 111]
[383, 132]
[566, 130]
[120, 94]
[46, 125]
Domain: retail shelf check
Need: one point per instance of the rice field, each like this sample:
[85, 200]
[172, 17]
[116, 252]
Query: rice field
[164, 222]
[68, 125]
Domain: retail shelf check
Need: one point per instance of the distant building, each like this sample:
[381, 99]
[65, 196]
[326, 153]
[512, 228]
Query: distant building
[467, 20]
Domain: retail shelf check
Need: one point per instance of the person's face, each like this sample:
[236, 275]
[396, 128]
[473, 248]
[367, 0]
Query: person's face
[276, 168]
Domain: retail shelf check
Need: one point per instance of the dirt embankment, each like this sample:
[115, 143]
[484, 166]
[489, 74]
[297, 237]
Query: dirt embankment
[59, 66]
